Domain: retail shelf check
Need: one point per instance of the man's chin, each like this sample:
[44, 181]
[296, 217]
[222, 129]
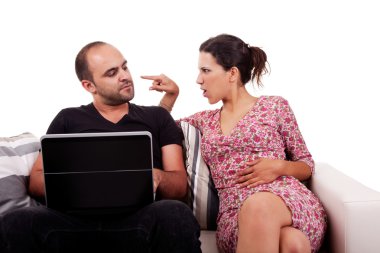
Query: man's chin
[120, 101]
[130, 97]
[127, 97]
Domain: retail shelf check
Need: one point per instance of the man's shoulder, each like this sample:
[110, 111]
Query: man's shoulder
[77, 109]
[148, 109]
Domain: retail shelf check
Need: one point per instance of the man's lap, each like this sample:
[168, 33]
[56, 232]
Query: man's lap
[53, 231]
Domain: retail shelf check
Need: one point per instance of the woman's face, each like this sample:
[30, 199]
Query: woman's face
[212, 78]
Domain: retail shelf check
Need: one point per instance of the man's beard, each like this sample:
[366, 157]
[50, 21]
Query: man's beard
[117, 99]
[113, 98]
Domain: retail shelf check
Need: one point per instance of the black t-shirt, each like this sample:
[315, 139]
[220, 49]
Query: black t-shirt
[154, 119]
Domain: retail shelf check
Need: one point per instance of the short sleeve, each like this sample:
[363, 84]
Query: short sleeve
[169, 131]
[57, 126]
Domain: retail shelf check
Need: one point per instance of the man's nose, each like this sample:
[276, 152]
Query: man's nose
[124, 74]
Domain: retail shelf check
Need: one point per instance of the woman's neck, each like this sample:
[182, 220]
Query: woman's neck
[239, 100]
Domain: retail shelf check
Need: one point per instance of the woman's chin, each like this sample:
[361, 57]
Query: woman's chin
[212, 102]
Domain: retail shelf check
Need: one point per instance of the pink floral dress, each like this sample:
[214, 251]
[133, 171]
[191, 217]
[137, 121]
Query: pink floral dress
[268, 130]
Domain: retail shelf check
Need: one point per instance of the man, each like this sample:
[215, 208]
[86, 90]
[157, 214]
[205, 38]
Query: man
[164, 226]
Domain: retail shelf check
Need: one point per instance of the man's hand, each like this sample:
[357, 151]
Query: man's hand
[157, 176]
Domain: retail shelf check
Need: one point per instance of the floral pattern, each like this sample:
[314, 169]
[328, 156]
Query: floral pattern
[268, 130]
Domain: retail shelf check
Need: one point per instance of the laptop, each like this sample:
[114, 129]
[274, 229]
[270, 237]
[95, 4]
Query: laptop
[98, 173]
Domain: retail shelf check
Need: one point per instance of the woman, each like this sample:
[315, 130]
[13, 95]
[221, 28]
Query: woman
[256, 154]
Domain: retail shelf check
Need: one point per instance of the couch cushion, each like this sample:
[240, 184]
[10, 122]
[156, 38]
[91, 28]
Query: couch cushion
[203, 197]
[17, 156]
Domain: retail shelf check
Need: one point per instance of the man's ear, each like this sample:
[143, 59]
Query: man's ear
[234, 74]
[88, 86]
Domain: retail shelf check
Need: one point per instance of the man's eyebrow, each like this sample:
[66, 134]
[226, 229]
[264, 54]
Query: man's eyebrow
[109, 70]
[114, 68]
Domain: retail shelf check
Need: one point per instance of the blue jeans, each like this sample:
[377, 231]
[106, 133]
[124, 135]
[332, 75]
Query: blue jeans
[164, 226]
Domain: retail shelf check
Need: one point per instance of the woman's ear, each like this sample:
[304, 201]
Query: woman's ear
[234, 74]
[88, 86]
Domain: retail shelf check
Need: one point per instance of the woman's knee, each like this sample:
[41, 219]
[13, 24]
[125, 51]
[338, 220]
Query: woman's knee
[293, 240]
[265, 206]
[258, 203]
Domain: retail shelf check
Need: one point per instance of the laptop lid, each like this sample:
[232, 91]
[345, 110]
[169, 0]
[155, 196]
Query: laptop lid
[98, 173]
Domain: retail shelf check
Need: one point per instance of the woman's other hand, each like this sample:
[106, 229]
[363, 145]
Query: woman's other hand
[259, 171]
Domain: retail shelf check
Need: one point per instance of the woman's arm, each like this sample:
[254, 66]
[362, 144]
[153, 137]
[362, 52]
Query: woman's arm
[264, 170]
[294, 143]
[163, 83]
[299, 162]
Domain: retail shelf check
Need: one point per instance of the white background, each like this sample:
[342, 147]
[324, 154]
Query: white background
[324, 58]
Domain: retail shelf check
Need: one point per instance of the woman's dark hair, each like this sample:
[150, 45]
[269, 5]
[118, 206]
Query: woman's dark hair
[230, 51]
[81, 63]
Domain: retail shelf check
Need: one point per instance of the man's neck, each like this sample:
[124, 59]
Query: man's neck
[113, 113]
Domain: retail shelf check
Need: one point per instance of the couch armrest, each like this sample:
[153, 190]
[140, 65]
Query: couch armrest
[352, 210]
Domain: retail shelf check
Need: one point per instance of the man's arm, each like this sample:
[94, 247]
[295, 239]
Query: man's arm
[171, 182]
[36, 179]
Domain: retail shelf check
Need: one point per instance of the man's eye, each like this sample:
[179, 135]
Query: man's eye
[111, 73]
[205, 70]
[125, 67]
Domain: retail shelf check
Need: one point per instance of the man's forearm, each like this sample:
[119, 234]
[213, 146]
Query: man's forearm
[36, 186]
[172, 184]
[36, 179]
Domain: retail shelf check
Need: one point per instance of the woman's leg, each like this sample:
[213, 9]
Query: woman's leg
[293, 240]
[261, 218]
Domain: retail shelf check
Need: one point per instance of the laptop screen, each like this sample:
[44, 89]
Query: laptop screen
[98, 172]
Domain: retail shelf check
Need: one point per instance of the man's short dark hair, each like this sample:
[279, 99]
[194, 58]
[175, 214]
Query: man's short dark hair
[81, 63]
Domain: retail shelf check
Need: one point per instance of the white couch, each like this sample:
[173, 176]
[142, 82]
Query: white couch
[353, 212]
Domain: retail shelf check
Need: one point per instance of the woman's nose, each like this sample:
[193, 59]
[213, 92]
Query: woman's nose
[199, 79]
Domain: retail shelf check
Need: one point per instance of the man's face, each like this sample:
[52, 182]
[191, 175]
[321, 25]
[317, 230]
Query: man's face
[111, 78]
